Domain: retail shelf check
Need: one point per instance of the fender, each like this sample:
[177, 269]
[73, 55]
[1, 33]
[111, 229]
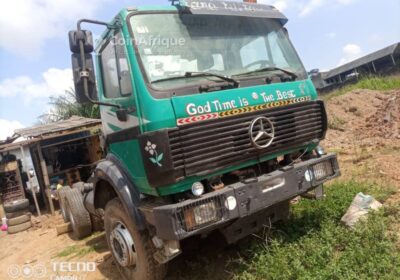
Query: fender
[112, 171]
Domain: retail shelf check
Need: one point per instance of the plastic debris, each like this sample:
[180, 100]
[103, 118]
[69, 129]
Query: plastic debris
[4, 226]
[359, 208]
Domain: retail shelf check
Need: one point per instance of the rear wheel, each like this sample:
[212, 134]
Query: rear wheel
[97, 220]
[78, 216]
[61, 197]
[132, 249]
[79, 186]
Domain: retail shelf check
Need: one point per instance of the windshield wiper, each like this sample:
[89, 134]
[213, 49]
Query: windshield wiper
[268, 69]
[225, 78]
[200, 74]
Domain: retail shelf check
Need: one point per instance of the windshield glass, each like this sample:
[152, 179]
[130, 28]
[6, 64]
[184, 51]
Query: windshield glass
[169, 45]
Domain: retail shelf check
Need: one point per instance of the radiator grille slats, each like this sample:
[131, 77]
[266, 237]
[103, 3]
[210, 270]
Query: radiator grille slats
[200, 148]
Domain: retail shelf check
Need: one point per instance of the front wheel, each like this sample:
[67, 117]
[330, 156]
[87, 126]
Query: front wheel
[132, 249]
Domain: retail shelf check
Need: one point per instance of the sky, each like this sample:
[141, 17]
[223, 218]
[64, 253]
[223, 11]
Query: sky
[35, 57]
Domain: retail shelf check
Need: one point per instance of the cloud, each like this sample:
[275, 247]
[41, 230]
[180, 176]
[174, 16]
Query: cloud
[350, 53]
[26, 25]
[310, 6]
[330, 35]
[54, 82]
[281, 5]
[7, 128]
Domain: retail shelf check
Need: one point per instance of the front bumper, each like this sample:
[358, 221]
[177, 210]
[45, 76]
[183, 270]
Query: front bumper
[171, 221]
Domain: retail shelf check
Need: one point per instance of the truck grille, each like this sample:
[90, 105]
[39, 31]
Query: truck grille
[205, 147]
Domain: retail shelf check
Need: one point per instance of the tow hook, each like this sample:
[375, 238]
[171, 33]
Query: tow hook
[166, 249]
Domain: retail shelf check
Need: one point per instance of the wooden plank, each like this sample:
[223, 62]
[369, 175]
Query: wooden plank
[94, 149]
[46, 179]
[30, 181]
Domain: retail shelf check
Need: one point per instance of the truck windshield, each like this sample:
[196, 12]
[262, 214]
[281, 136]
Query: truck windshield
[169, 45]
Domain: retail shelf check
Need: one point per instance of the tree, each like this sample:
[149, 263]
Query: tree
[65, 106]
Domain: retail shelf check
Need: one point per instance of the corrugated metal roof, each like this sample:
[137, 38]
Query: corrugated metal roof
[56, 127]
[363, 60]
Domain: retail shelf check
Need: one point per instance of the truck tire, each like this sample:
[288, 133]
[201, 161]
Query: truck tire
[78, 216]
[97, 220]
[19, 220]
[132, 250]
[17, 214]
[19, 228]
[61, 199]
[79, 186]
[16, 205]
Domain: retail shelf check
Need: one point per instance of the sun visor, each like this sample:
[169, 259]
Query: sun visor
[229, 8]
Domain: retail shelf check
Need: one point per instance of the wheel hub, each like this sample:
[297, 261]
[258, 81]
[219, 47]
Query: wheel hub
[122, 245]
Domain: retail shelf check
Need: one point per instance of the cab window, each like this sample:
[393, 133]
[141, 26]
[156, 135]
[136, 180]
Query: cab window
[115, 69]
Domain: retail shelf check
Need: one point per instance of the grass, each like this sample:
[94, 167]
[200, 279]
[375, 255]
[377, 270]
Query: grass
[370, 82]
[314, 245]
[80, 250]
[336, 123]
[76, 251]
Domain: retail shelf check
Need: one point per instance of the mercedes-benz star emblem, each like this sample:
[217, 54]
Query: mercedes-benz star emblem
[262, 132]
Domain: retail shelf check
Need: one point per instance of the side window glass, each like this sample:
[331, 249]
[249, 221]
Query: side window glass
[124, 76]
[115, 70]
[109, 71]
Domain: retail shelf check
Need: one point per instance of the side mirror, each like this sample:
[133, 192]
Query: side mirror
[75, 36]
[122, 113]
[79, 77]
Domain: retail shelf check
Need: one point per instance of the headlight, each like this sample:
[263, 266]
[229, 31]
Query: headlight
[308, 175]
[322, 170]
[200, 215]
[230, 203]
[197, 189]
[320, 150]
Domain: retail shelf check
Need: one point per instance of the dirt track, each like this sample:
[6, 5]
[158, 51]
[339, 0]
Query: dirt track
[364, 131]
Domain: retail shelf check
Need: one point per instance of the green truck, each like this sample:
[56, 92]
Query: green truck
[210, 123]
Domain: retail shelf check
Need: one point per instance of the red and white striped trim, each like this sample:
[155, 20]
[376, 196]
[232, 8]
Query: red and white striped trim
[199, 118]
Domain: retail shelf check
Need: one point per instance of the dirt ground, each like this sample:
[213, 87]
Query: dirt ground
[364, 129]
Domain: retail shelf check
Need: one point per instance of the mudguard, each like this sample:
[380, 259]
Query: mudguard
[112, 171]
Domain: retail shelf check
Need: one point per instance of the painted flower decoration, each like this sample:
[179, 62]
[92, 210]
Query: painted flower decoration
[151, 149]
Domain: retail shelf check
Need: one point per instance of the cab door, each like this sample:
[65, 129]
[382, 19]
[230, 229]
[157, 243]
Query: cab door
[116, 86]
